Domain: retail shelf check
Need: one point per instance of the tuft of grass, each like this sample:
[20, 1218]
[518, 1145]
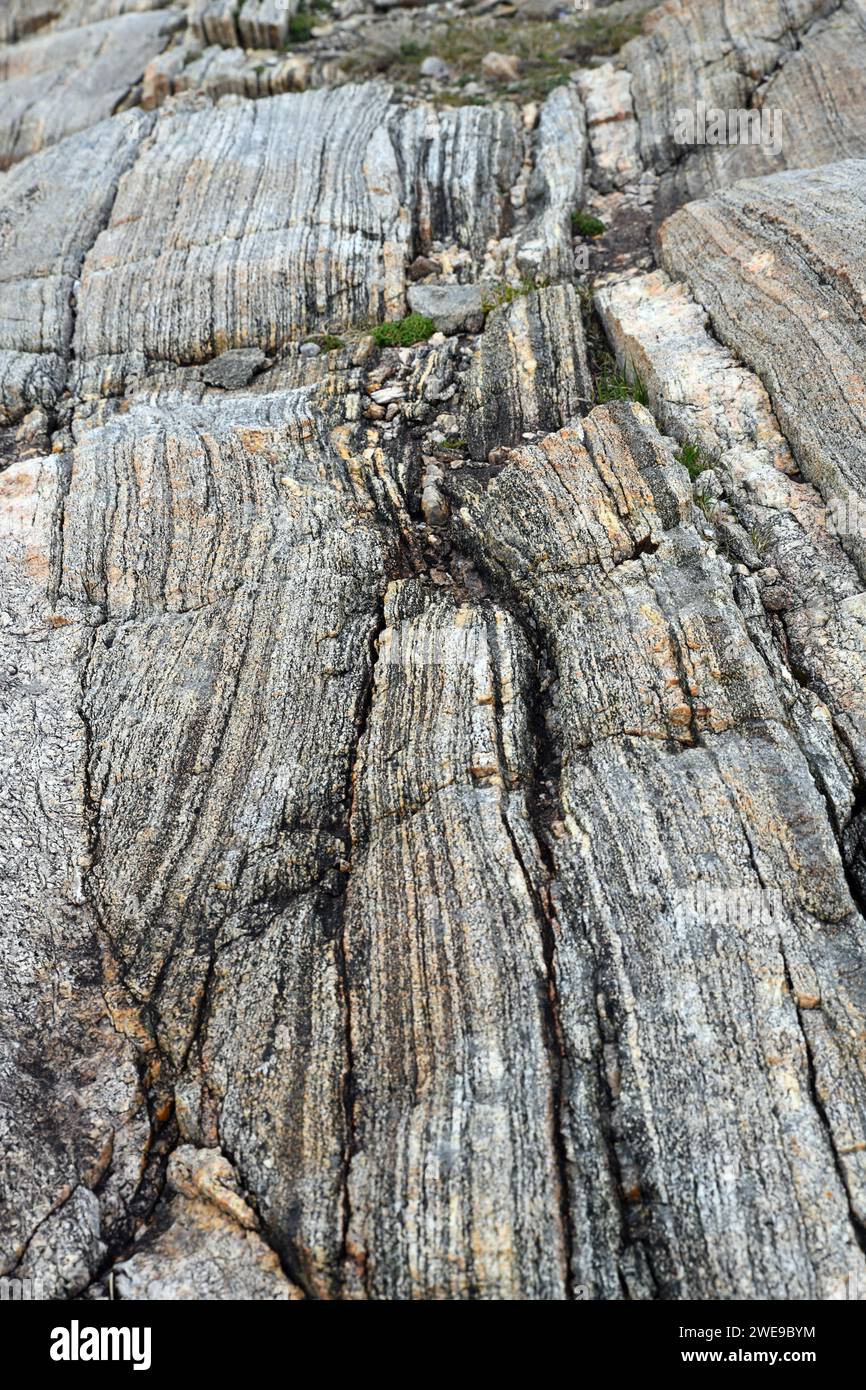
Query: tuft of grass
[692, 458]
[625, 385]
[584, 225]
[451, 443]
[414, 328]
[707, 505]
[329, 342]
[496, 296]
[762, 540]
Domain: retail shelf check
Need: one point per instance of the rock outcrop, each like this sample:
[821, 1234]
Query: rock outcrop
[434, 675]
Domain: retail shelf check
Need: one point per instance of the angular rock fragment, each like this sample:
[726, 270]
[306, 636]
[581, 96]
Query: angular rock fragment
[234, 369]
[453, 308]
[612, 130]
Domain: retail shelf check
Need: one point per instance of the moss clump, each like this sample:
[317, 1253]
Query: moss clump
[329, 342]
[415, 328]
[584, 225]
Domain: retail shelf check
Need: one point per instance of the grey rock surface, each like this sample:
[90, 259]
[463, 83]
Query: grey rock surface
[453, 308]
[781, 273]
[52, 208]
[529, 372]
[434, 847]
[235, 369]
[57, 83]
[801, 61]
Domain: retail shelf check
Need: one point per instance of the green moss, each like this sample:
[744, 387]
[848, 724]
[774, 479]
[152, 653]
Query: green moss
[584, 225]
[415, 328]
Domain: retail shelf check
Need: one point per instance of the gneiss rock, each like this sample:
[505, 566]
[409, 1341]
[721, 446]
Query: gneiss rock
[453, 308]
[205, 1243]
[236, 368]
[555, 187]
[428, 836]
[422, 266]
[664, 702]
[51, 210]
[801, 69]
[54, 84]
[778, 264]
[529, 371]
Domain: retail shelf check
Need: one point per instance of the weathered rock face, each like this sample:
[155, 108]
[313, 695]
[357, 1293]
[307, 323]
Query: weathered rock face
[433, 851]
[261, 243]
[53, 207]
[529, 372]
[779, 265]
[57, 83]
[799, 65]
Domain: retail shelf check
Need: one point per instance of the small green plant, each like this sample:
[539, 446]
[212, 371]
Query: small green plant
[692, 458]
[496, 296]
[329, 342]
[301, 26]
[453, 444]
[414, 328]
[625, 385]
[707, 505]
[762, 539]
[584, 225]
